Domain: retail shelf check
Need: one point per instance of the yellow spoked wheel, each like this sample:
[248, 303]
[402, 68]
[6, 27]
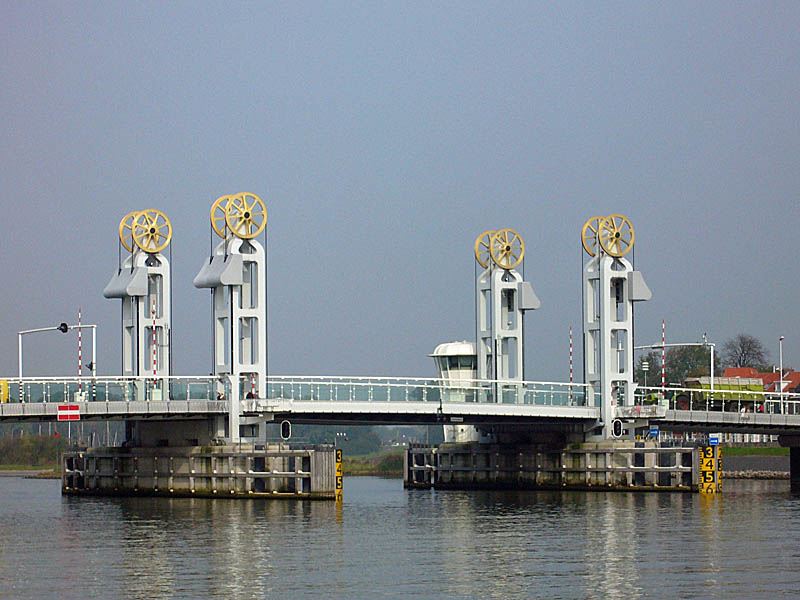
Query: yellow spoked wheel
[126, 230]
[616, 235]
[152, 230]
[482, 248]
[589, 234]
[246, 215]
[506, 248]
[218, 211]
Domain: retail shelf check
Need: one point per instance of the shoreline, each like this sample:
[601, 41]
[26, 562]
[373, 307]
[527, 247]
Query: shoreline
[43, 473]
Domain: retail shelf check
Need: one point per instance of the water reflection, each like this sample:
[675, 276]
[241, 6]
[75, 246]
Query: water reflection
[612, 543]
[386, 542]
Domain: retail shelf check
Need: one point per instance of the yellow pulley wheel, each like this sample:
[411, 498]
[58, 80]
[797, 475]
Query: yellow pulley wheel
[218, 209]
[589, 235]
[152, 230]
[506, 248]
[482, 245]
[126, 230]
[616, 235]
[246, 215]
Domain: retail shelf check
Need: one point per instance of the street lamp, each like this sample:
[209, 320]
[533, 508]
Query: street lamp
[780, 382]
[63, 328]
[645, 369]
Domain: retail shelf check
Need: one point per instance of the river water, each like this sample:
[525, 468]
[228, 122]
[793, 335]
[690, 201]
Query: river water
[385, 542]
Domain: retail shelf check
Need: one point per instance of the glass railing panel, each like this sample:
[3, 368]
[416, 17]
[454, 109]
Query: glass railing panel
[360, 393]
[398, 393]
[510, 393]
[379, 392]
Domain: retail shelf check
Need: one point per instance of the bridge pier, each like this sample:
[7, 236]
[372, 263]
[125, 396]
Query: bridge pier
[793, 443]
[230, 471]
[197, 457]
[604, 465]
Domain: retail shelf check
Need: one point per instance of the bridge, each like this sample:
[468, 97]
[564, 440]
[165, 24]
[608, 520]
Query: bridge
[398, 401]
[480, 396]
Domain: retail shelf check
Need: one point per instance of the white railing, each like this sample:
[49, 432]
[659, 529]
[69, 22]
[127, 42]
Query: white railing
[112, 389]
[722, 400]
[409, 389]
[308, 388]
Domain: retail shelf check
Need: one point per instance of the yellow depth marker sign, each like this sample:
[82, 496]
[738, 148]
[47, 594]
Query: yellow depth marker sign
[339, 476]
[710, 463]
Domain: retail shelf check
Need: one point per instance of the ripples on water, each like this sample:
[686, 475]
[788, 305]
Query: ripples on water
[385, 542]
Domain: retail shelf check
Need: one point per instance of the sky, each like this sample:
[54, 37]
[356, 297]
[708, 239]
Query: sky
[383, 138]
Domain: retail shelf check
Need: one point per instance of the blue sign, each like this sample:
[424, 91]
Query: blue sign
[653, 431]
[713, 439]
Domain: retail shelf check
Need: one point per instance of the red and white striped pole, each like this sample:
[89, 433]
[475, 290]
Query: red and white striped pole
[571, 347]
[80, 351]
[571, 370]
[663, 354]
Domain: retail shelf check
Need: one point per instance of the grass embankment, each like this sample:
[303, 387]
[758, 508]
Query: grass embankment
[382, 464]
[755, 451]
[30, 453]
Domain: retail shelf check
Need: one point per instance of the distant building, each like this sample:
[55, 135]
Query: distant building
[770, 379]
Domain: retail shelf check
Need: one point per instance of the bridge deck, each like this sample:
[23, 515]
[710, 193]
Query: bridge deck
[397, 401]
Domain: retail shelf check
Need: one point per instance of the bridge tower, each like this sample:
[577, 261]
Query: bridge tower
[611, 286]
[236, 275]
[143, 284]
[502, 297]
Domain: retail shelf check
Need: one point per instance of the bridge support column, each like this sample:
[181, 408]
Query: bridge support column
[793, 443]
[794, 468]
[236, 275]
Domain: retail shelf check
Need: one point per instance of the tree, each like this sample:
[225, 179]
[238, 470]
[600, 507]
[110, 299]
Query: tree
[689, 361]
[653, 377]
[744, 350]
[682, 362]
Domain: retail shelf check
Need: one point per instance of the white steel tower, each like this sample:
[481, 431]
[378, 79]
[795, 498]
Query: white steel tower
[236, 274]
[610, 287]
[142, 282]
[502, 297]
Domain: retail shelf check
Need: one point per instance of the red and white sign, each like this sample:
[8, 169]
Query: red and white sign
[69, 412]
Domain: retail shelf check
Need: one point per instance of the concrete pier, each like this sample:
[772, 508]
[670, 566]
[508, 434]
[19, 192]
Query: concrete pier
[240, 471]
[611, 465]
[793, 443]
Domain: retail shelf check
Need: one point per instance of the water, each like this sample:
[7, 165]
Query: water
[385, 542]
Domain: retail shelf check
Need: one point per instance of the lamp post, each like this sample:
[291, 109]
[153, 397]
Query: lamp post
[63, 328]
[780, 367]
[645, 369]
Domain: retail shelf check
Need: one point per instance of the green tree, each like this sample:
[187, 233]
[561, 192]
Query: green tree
[689, 361]
[653, 377]
[682, 362]
[744, 350]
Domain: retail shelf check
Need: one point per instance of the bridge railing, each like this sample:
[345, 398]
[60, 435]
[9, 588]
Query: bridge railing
[407, 389]
[114, 389]
[727, 400]
[308, 388]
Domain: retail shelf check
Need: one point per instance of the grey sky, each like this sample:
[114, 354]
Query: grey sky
[384, 138]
